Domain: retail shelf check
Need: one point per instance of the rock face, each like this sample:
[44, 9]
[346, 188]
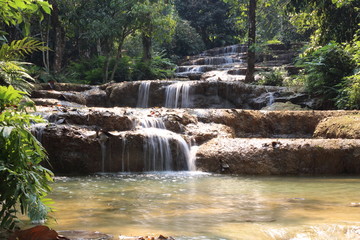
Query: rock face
[280, 156]
[92, 140]
[199, 94]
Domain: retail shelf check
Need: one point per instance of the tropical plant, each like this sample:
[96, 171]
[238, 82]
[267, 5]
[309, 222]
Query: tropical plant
[13, 72]
[349, 97]
[275, 77]
[158, 67]
[24, 183]
[328, 20]
[325, 69]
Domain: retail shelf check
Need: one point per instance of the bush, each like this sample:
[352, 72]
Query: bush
[24, 182]
[157, 68]
[349, 97]
[324, 71]
[275, 77]
[86, 71]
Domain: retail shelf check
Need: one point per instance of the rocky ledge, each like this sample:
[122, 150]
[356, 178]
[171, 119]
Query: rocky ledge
[280, 156]
[90, 140]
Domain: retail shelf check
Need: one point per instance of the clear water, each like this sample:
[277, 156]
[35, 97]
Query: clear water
[189, 205]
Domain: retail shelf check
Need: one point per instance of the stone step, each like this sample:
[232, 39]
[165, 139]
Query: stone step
[262, 156]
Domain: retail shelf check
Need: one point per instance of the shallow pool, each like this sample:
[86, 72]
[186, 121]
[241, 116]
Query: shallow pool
[190, 205]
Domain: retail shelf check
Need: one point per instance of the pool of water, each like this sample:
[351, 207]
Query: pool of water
[188, 205]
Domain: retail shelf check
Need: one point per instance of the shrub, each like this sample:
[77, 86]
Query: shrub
[157, 68]
[24, 182]
[325, 69]
[275, 77]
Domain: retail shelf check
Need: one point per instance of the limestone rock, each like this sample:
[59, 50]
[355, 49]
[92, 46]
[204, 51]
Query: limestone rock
[347, 126]
[280, 156]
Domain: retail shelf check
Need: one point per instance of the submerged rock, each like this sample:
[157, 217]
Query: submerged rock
[85, 235]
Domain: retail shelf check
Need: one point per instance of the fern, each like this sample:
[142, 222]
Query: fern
[13, 73]
[19, 48]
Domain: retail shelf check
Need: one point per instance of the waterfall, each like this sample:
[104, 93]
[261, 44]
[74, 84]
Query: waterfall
[102, 139]
[159, 147]
[173, 93]
[143, 94]
[38, 131]
[271, 98]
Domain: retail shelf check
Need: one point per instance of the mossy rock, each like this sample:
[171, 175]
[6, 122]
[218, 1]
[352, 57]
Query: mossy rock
[347, 126]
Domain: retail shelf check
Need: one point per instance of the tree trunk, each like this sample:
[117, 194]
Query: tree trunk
[252, 37]
[106, 68]
[117, 60]
[147, 46]
[58, 37]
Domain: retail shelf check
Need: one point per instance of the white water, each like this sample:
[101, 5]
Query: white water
[143, 94]
[158, 148]
[178, 95]
[271, 98]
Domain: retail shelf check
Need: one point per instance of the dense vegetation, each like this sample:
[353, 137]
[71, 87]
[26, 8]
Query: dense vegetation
[24, 183]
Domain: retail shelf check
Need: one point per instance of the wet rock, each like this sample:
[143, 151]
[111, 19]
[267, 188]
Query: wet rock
[204, 132]
[37, 233]
[85, 235]
[63, 87]
[96, 98]
[288, 106]
[347, 126]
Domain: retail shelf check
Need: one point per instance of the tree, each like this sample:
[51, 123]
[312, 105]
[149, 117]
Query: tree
[329, 20]
[251, 41]
[211, 19]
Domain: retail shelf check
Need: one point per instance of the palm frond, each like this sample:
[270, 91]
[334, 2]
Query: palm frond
[19, 48]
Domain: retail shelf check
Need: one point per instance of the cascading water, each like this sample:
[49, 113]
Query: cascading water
[271, 98]
[173, 93]
[38, 130]
[143, 94]
[159, 147]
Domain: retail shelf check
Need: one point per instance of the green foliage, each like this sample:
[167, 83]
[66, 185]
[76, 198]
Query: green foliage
[211, 19]
[325, 69]
[23, 182]
[349, 97]
[20, 48]
[157, 68]
[13, 72]
[275, 77]
[15, 12]
[329, 20]
[87, 71]
[186, 41]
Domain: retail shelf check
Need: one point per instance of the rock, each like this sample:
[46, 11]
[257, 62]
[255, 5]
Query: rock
[285, 157]
[347, 126]
[85, 235]
[96, 98]
[37, 233]
[288, 106]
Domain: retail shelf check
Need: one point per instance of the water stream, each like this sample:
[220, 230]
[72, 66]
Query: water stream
[188, 205]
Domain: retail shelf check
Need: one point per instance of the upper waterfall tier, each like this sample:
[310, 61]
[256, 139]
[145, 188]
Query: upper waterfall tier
[171, 94]
[230, 59]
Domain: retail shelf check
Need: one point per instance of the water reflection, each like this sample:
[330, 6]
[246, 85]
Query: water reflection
[203, 206]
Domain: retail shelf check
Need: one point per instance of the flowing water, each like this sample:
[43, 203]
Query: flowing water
[189, 205]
